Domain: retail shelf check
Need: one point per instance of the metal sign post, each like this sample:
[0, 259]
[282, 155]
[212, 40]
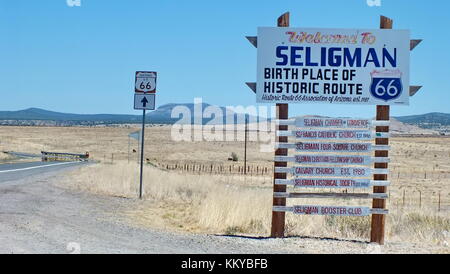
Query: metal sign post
[142, 153]
[144, 98]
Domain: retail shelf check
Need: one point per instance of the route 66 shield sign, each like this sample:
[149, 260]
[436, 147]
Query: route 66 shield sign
[386, 84]
[145, 82]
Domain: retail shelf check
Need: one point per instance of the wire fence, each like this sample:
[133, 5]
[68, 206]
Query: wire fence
[400, 196]
[251, 170]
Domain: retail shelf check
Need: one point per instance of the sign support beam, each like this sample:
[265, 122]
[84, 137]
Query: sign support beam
[278, 218]
[245, 146]
[142, 153]
[267, 83]
[377, 231]
[144, 98]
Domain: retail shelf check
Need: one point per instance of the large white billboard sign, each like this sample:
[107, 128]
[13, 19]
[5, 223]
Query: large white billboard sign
[339, 66]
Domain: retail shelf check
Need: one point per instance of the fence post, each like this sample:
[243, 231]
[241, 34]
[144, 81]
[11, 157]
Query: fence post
[439, 201]
[404, 192]
[420, 199]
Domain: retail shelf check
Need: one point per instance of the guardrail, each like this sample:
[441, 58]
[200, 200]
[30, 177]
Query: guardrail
[61, 156]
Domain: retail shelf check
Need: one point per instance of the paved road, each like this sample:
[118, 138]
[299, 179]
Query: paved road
[39, 216]
[17, 171]
[23, 154]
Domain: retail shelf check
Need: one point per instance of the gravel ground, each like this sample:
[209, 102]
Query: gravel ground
[38, 216]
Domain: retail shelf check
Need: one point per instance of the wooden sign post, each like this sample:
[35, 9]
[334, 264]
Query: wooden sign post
[278, 218]
[383, 113]
[379, 220]
[289, 73]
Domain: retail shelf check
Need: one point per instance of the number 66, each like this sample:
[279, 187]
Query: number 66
[148, 86]
[391, 90]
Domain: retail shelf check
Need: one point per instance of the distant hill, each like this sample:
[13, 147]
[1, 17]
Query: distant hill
[162, 115]
[224, 115]
[401, 128]
[430, 123]
[429, 118]
[42, 114]
[433, 121]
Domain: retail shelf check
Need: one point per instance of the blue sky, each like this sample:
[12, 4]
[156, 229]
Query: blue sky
[83, 59]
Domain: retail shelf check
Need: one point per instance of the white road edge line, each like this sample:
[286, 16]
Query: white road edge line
[27, 168]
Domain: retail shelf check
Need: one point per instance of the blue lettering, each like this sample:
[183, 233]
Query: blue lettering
[284, 57]
[294, 56]
[334, 60]
[308, 58]
[334, 57]
[372, 57]
[350, 60]
[323, 57]
[388, 56]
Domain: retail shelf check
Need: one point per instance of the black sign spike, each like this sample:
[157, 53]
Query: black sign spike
[252, 86]
[253, 40]
[413, 43]
[413, 90]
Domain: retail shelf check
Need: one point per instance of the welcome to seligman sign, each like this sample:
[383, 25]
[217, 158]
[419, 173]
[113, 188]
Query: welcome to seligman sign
[347, 66]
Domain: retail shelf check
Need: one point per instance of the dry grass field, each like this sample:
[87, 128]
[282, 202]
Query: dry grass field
[219, 202]
[109, 143]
